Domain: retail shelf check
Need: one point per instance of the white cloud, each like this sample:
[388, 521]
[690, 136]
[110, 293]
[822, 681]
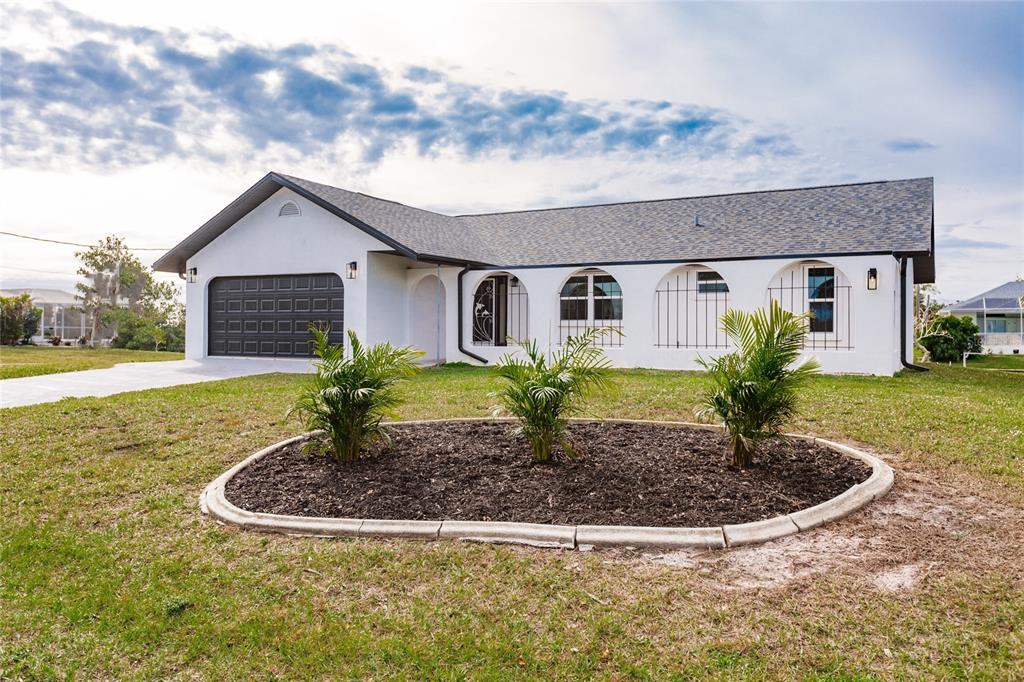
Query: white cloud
[841, 80]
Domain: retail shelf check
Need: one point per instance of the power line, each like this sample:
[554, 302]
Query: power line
[87, 246]
[48, 272]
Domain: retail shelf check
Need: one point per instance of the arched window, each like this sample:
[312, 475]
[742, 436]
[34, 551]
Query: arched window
[590, 298]
[823, 290]
[688, 305]
[289, 208]
[501, 311]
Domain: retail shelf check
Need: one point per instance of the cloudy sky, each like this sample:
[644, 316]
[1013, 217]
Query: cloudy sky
[144, 119]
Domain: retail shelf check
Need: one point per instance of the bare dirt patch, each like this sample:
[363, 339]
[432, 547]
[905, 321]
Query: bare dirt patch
[630, 474]
[924, 528]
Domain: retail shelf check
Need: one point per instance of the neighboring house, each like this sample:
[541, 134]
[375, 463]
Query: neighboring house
[289, 251]
[61, 316]
[999, 314]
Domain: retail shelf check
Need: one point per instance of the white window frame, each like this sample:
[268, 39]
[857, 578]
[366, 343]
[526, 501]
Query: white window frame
[590, 298]
[591, 308]
[833, 335]
[698, 294]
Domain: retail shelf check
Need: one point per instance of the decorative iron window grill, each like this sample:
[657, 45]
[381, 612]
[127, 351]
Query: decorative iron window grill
[501, 311]
[688, 307]
[817, 289]
[588, 300]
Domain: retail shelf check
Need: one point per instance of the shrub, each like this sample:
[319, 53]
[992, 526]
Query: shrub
[33, 316]
[753, 389]
[950, 337]
[348, 397]
[19, 319]
[144, 331]
[542, 394]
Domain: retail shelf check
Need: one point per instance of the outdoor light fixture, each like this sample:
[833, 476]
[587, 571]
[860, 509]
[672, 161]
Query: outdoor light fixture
[352, 270]
[872, 279]
[191, 275]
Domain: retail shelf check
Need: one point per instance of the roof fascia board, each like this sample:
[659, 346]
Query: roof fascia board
[666, 261]
[445, 260]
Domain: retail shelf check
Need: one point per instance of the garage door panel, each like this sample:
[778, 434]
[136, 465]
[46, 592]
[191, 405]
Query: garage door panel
[270, 315]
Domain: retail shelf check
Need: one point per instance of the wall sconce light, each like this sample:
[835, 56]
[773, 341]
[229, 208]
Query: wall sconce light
[191, 275]
[872, 279]
[351, 270]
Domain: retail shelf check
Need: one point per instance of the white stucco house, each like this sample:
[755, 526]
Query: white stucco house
[289, 251]
[999, 314]
[62, 317]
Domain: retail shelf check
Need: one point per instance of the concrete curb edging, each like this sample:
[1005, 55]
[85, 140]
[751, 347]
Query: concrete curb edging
[213, 503]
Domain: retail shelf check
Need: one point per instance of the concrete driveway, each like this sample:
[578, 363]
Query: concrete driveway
[137, 376]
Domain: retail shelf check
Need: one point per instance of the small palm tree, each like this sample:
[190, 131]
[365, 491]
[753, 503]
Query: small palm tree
[348, 397]
[543, 393]
[753, 391]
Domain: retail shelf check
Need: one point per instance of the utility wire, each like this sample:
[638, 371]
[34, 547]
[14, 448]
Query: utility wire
[87, 246]
[48, 272]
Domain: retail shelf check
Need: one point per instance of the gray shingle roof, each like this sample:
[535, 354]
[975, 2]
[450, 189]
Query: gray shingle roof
[882, 216]
[1004, 297]
[878, 217]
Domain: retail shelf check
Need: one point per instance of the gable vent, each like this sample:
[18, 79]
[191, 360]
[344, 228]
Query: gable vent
[289, 208]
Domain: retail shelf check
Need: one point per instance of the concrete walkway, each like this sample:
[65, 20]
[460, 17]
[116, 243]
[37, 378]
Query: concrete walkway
[136, 376]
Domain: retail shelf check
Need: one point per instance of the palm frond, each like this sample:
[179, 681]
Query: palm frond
[753, 390]
[348, 397]
[542, 392]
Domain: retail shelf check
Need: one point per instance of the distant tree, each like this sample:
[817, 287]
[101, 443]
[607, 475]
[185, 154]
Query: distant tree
[155, 322]
[114, 279]
[18, 318]
[926, 311]
[952, 337]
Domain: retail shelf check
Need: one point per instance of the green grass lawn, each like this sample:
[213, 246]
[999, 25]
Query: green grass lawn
[27, 361]
[107, 570]
[997, 361]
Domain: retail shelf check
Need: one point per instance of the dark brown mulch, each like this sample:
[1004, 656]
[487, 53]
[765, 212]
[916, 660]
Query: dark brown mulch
[629, 474]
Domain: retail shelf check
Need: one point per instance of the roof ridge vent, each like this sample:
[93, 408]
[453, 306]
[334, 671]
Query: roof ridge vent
[289, 208]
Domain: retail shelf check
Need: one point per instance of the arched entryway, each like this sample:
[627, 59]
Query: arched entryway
[426, 319]
[688, 307]
[821, 290]
[501, 311]
[590, 299]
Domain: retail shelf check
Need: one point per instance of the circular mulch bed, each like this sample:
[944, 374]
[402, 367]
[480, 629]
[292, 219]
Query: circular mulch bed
[630, 474]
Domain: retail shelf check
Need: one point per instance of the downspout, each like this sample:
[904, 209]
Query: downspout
[462, 349]
[903, 319]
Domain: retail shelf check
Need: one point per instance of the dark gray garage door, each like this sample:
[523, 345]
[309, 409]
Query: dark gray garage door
[270, 315]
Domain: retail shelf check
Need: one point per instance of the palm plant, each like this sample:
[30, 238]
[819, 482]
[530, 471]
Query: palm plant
[753, 389]
[542, 393]
[348, 397]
